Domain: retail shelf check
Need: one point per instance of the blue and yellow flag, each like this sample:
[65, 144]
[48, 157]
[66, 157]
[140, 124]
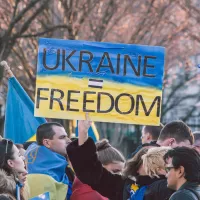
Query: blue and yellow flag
[47, 173]
[45, 196]
[20, 123]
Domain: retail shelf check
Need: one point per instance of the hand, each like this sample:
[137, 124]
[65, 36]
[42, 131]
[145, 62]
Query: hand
[83, 127]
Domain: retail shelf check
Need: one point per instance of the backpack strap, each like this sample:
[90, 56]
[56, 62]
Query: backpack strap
[194, 192]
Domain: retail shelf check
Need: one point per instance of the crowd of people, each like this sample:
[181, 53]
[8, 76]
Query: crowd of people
[166, 166]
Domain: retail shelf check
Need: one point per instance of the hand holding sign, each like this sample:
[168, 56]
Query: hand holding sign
[83, 127]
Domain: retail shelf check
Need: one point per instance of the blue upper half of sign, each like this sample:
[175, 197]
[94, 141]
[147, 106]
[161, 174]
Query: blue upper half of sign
[121, 63]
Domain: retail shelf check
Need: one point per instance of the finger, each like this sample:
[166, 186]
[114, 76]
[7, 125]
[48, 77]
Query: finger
[87, 116]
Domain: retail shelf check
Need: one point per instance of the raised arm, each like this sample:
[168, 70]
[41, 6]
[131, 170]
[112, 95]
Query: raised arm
[83, 156]
[83, 127]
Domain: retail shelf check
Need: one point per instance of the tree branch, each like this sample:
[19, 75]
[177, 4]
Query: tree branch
[21, 15]
[49, 29]
[29, 20]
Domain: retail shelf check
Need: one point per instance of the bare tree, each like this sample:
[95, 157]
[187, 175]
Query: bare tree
[172, 24]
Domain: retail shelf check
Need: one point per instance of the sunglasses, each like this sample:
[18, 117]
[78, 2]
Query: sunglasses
[7, 142]
[167, 169]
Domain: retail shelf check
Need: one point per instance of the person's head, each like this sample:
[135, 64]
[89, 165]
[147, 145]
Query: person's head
[153, 162]
[21, 149]
[27, 144]
[150, 133]
[196, 144]
[176, 133]
[134, 166]
[53, 136]
[110, 157]
[182, 164]
[10, 159]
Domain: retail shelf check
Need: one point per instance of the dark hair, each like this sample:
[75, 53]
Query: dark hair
[178, 130]
[133, 164]
[107, 153]
[6, 153]
[27, 144]
[153, 130]
[19, 146]
[189, 159]
[196, 135]
[45, 131]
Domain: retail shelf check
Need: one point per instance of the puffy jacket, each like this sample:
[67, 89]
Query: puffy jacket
[7, 186]
[188, 191]
[82, 191]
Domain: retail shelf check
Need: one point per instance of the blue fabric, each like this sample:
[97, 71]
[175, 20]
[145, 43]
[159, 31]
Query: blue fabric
[45, 196]
[20, 123]
[139, 194]
[98, 49]
[18, 188]
[41, 160]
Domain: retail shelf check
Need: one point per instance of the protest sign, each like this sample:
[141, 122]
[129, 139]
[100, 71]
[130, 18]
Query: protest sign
[119, 83]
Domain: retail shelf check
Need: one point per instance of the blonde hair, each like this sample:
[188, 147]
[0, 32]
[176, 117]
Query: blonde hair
[153, 161]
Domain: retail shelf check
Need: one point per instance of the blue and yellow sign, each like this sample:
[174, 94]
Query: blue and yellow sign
[119, 83]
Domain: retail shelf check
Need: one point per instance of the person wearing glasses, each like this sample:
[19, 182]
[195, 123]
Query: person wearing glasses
[135, 182]
[12, 165]
[183, 173]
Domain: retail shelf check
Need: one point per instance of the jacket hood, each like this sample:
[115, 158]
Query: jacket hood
[7, 183]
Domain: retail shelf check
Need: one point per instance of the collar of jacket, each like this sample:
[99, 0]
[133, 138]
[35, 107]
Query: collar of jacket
[147, 180]
[188, 184]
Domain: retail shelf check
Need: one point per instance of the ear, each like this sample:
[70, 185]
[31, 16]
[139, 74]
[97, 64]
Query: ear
[172, 142]
[149, 137]
[47, 143]
[181, 172]
[10, 163]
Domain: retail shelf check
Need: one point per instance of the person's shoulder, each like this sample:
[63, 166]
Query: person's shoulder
[158, 190]
[183, 195]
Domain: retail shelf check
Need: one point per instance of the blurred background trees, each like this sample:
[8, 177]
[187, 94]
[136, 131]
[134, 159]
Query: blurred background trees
[172, 24]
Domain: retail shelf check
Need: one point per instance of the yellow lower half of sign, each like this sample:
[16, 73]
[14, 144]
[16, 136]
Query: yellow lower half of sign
[70, 98]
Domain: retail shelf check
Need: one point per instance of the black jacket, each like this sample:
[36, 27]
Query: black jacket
[188, 191]
[90, 171]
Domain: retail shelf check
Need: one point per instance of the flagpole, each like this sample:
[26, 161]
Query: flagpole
[7, 69]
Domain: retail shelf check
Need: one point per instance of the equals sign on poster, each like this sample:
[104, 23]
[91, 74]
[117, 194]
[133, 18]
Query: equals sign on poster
[94, 83]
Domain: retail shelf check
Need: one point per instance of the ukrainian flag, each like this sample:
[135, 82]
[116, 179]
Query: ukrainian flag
[42, 197]
[20, 123]
[47, 173]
